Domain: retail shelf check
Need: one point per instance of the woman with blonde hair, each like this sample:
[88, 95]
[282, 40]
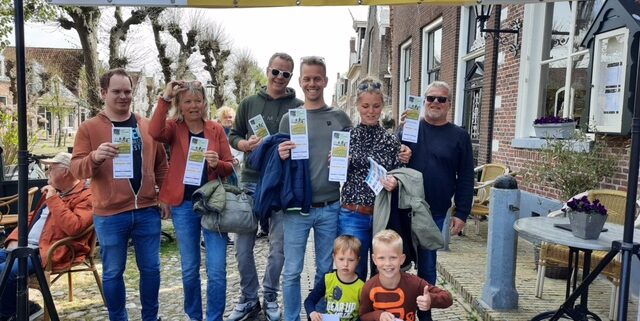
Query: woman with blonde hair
[189, 121]
[368, 140]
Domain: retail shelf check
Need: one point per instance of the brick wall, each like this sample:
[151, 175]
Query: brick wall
[408, 22]
[505, 118]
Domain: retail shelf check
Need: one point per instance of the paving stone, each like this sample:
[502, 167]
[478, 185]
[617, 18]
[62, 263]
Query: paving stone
[461, 271]
[464, 266]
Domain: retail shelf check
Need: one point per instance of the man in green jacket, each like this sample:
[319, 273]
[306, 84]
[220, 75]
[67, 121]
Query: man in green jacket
[266, 107]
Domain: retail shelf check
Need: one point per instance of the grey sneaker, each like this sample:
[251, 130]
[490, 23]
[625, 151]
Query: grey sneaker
[271, 310]
[35, 310]
[245, 311]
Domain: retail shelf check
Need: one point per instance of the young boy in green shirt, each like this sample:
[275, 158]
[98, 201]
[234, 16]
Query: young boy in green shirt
[341, 288]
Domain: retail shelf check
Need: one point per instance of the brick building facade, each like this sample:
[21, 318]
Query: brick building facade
[501, 127]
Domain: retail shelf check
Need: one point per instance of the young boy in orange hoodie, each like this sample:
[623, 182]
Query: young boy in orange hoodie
[392, 294]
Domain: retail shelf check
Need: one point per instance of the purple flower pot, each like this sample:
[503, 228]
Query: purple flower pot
[586, 226]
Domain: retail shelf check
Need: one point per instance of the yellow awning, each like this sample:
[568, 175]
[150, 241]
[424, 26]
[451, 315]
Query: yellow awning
[293, 3]
[278, 3]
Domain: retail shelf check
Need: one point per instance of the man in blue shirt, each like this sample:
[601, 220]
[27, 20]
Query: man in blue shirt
[444, 156]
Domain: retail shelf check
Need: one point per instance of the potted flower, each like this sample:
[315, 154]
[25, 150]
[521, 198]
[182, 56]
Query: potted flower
[554, 127]
[585, 217]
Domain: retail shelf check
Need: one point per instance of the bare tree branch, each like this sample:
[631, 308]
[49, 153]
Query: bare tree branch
[214, 48]
[85, 20]
[118, 35]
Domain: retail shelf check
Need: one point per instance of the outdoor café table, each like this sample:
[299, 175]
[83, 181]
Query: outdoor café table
[543, 228]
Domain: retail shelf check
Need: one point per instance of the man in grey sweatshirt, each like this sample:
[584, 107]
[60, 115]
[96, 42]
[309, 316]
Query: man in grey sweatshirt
[323, 216]
[271, 103]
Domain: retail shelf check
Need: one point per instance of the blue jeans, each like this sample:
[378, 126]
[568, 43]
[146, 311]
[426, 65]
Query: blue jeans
[360, 226]
[114, 232]
[427, 266]
[324, 221]
[8, 299]
[245, 243]
[188, 231]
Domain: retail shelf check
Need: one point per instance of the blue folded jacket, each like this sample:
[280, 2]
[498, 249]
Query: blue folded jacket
[283, 185]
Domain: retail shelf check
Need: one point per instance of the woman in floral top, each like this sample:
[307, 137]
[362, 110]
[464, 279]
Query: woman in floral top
[368, 140]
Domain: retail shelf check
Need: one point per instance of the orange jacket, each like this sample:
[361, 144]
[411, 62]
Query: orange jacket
[113, 196]
[68, 216]
[176, 134]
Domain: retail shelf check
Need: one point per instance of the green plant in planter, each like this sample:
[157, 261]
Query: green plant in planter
[566, 165]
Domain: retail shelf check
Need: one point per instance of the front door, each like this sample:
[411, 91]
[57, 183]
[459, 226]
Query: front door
[472, 105]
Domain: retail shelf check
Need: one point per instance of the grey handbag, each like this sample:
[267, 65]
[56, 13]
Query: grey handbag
[233, 215]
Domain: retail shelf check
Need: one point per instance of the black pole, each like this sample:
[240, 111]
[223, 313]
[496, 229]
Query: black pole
[23, 291]
[632, 191]
[23, 253]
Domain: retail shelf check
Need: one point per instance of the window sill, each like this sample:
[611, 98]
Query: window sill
[540, 143]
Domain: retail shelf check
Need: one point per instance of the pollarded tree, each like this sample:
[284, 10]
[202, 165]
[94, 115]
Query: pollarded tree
[85, 20]
[214, 48]
[183, 44]
[247, 76]
[118, 35]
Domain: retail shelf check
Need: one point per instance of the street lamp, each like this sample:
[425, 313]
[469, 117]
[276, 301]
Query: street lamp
[209, 90]
[483, 13]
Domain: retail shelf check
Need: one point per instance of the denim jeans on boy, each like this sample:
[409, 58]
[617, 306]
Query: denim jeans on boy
[8, 299]
[358, 225]
[324, 221]
[245, 243]
[114, 232]
[427, 266]
[188, 231]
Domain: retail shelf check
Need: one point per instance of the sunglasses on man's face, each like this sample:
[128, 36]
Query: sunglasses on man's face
[440, 99]
[276, 72]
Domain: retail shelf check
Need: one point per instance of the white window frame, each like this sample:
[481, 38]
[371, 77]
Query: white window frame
[424, 77]
[529, 93]
[402, 86]
[611, 123]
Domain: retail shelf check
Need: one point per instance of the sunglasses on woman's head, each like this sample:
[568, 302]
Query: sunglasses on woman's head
[440, 99]
[276, 72]
[370, 84]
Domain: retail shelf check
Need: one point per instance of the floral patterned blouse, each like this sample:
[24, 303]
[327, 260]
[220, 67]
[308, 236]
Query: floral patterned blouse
[368, 141]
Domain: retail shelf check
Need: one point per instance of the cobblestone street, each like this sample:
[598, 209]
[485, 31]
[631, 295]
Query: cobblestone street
[87, 304]
[461, 271]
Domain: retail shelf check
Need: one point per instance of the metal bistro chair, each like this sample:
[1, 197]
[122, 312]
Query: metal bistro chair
[554, 255]
[86, 263]
[480, 206]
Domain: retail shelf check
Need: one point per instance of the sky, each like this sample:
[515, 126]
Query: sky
[299, 31]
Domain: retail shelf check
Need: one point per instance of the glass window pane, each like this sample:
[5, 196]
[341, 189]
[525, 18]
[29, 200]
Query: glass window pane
[437, 49]
[407, 63]
[553, 77]
[560, 26]
[587, 11]
[579, 86]
[434, 54]
[475, 39]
